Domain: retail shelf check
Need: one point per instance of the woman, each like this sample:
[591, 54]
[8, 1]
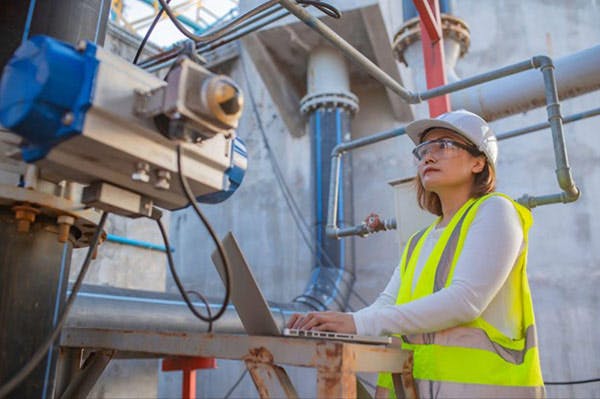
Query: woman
[460, 298]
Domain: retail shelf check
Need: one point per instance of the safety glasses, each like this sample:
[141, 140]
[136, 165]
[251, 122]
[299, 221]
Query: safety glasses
[442, 148]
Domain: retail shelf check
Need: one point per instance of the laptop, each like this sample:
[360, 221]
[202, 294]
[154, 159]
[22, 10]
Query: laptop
[253, 309]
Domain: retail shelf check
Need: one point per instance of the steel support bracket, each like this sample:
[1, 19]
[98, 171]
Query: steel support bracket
[271, 380]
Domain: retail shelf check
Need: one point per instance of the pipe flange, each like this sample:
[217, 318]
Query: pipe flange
[71, 217]
[410, 32]
[311, 102]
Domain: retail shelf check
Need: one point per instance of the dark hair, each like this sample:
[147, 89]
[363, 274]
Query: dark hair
[484, 183]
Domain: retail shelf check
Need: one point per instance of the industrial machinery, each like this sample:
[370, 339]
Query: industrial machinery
[98, 133]
[90, 117]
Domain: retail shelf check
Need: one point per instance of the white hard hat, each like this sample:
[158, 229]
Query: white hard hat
[467, 124]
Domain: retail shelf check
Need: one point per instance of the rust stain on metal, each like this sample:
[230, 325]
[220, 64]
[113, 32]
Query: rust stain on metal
[334, 351]
[254, 370]
[335, 385]
[329, 383]
[259, 355]
[329, 356]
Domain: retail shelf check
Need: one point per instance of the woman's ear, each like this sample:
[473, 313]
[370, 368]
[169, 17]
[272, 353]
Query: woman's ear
[479, 164]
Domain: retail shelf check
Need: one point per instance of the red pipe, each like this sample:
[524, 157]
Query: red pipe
[433, 53]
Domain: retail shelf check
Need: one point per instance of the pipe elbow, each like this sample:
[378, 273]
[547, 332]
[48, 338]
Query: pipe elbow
[571, 195]
[565, 181]
[332, 232]
[337, 150]
[414, 98]
[542, 62]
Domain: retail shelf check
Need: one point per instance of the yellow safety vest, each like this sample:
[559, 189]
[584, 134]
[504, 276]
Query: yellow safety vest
[457, 358]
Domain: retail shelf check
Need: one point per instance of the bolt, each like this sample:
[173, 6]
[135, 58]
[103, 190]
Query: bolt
[64, 227]
[67, 118]
[25, 215]
[81, 45]
[163, 181]
[142, 172]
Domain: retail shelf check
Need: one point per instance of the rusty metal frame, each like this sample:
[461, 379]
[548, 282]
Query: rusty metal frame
[336, 362]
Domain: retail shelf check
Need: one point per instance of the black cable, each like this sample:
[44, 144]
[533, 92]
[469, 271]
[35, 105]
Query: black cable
[235, 385]
[205, 45]
[42, 350]
[247, 22]
[325, 8]
[572, 382]
[209, 319]
[219, 32]
[207, 304]
[226, 264]
[209, 46]
[147, 35]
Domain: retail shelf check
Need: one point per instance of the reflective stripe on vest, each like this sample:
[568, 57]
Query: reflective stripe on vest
[476, 352]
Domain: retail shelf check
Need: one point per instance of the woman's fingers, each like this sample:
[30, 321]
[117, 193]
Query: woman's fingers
[323, 321]
[296, 321]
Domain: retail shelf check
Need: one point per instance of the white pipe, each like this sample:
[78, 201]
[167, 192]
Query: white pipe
[328, 81]
[576, 74]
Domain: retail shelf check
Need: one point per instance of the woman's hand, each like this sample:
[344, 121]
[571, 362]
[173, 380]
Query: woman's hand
[323, 321]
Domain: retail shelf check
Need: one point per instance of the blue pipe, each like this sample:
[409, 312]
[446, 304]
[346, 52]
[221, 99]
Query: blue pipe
[339, 139]
[28, 21]
[319, 173]
[136, 243]
[64, 265]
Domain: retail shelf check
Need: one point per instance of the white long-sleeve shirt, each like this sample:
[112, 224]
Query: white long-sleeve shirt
[480, 284]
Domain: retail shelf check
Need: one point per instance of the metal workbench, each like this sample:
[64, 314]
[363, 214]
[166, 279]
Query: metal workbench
[336, 362]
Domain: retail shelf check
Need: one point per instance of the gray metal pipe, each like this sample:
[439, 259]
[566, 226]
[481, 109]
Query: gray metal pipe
[104, 307]
[333, 230]
[565, 180]
[563, 171]
[545, 125]
[477, 79]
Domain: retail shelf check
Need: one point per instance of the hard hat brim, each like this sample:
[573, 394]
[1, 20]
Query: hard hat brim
[415, 129]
